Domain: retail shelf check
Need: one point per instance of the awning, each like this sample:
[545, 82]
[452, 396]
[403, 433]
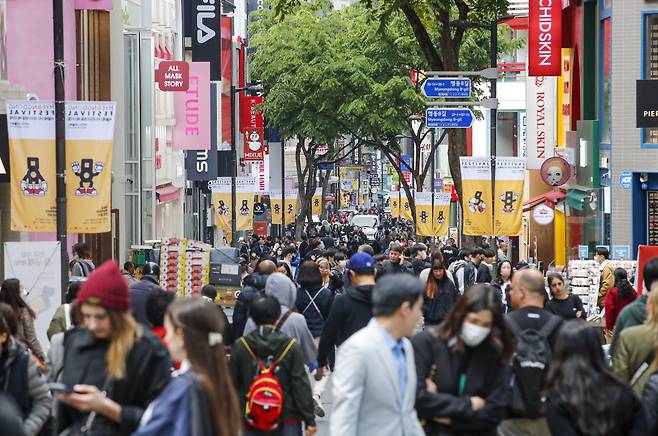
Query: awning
[516, 23]
[550, 196]
[166, 193]
[576, 198]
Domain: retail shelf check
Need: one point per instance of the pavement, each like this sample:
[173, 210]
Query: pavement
[323, 423]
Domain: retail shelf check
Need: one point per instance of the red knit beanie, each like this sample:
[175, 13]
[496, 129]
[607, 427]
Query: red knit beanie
[106, 287]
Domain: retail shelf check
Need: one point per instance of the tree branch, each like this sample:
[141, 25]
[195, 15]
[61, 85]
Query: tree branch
[422, 36]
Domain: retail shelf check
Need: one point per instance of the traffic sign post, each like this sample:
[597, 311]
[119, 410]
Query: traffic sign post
[447, 88]
[448, 118]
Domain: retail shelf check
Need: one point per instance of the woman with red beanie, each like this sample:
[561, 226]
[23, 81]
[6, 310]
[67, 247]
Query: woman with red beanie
[112, 367]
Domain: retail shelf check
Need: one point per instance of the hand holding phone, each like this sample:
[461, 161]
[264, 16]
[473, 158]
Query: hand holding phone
[60, 387]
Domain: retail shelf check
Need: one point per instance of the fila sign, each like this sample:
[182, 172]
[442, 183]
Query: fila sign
[206, 44]
[545, 38]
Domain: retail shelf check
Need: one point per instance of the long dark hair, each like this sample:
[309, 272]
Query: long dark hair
[198, 318]
[10, 293]
[476, 298]
[433, 285]
[309, 275]
[581, 378]
[622, 284]
[499, 277]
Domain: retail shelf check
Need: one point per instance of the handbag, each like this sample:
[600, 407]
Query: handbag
[85, 429]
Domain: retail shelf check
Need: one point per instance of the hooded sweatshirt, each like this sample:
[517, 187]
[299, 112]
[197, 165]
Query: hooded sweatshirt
[81, 267]
[283, 289]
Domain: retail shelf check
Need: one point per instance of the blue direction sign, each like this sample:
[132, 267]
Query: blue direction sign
[445, 118]
[326, 166]
[435, 87]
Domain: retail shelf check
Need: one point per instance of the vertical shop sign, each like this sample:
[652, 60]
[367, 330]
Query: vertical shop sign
[227, 83]
[250, 116]
[544, 38]
[508, 198]
[564, 99]
[206, 44]
[192, 109]
[476, 195]
[254, 149]
[540, 109]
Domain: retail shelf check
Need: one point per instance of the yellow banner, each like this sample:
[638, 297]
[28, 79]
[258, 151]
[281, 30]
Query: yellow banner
[508, 205]
[442, 213]
[476, 195]
[221, 201]
[316, 203]
[394, 203]
[432, 220]
[245, 211]
[405, 209]
[291, 207]
[275, 205]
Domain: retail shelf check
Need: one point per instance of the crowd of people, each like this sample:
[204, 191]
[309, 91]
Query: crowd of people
[415, 338]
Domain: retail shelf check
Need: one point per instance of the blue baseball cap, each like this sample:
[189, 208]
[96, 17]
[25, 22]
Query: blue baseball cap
[361, 261]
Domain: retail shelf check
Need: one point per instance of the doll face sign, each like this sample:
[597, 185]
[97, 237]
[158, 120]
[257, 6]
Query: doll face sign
[555, 171]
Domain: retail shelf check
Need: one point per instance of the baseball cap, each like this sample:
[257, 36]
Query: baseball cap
[361, 261]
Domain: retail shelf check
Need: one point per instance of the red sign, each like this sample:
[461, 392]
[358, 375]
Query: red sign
[545, 38]
[250, 118]
[173, 76]
[407, 177]
[254, 148]
[322, 149]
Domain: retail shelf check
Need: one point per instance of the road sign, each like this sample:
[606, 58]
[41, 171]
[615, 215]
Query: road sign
[448, 118]
[487, 73]
[326, 166]
[487, 103]
[435, 87]
[626, 180]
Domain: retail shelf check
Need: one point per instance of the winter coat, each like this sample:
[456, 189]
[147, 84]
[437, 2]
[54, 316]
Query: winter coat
[350, 312]
[634, 346]
[650, 402]
[419, 265]
[502, 296]
[265, 342]
[61, 320]
[395, 268]
[181, 409]
[614, 305]
[631, 315]
[81, 267]
[139, 295]
[26, 333]
[483, 273]
[458, 376]
[21, 379]
[436, 309]
[148, 371]
[55, 362]
[283, 289]
[464, 274]
[606, 282]
[254, 285]
[314, 303]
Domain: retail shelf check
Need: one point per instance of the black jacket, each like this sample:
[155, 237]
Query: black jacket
[435, 310]
[350, 312]
[148, 371]
[484, 274]
[483, 375]
[317, 313]
[419, 265]
[650, 402]
[139, 294]
[395, 268]
[254, 285]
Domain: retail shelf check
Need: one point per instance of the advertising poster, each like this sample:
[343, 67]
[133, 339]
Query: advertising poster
[192, 109]
[31, 132]
[541, 112]
[245, 189]
[316, 202]
[89, 134]
[395, 204]
[508, 199]
[544, 37]
[476, 195]
[37, 266]
[221, 201]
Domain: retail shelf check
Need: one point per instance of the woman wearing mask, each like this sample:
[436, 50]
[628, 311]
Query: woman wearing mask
[563, 303]
[329, 279]
[463, 375]
[313, 299]
[440, 294]
[112, 367]
[21, 378]
[583, 396]
[502, 284]
[201, 399]
[12, 293]
[619, 297]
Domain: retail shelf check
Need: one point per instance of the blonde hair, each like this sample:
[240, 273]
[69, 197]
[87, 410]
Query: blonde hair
[125, 332]
[652, 306]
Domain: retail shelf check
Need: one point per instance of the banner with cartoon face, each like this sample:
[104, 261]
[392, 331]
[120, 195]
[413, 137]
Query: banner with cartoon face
[276, 206]
[508, 199]
[432, 219]
[245, 189]
[316, 202]
[476, 195]
[278, 209]
[221, 202]
[394, 203]
[405, 207]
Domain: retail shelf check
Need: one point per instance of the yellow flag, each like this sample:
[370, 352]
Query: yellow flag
[245, 189]
[316, 202]
[441, 213]
[476, 195]
[405, 209]
[291, 207]
[424, 223]
[508, 200]
[395, 204]
[276, 207]
[221, 201]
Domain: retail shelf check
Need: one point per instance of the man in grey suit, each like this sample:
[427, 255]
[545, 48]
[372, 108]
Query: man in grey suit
[375, 377]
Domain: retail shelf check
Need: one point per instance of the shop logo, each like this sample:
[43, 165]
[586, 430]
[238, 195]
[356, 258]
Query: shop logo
[508, 198]
[476, 204]
[33, 184]
[86, 172]
[205, 11]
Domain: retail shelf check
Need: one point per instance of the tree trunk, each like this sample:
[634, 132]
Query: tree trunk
[325, 188]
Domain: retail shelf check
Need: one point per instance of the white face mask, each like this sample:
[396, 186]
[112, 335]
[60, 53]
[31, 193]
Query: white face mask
[473, 334]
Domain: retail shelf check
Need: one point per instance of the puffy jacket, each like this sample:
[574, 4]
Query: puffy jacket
[436, 309]
[254, 285]
[314, 303]
[139, 294]
[26, 334]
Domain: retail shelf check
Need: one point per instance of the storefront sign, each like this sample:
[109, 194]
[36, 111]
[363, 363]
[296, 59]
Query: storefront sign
[647, 103]
[626, 180]
[555, 171]
[250, 116]
[543, 215]
[192, 109]
[583, 252]
[173, 76]
[564, 98]
[201, 165]
[254, 148]
[622, 252]
[206, 43]
[544, 38]
[540, 132]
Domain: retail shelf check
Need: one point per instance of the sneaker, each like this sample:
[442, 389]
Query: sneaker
[317, 407]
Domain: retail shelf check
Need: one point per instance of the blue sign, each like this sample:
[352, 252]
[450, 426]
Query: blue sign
[583, 252]
[622, 252]
[447, 88]
[443, 118]
[626, 180]
[438, 184]
[326, 166]
[405, 158]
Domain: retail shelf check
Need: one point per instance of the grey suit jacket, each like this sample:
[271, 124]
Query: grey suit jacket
[366, 389]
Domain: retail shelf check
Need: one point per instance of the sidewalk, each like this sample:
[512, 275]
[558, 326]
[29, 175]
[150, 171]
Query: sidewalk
[327, 400]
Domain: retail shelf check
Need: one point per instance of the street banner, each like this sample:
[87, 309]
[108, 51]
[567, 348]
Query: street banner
[221, 201]
[245, 189]
[540, 111]
[442, 213]
[476, 195]
[405, 207]
[544, 37]
[291, 206]
[37, 266]
[261, 171]
[432, 220]
[31, 132]
[254, 144]
[276, 205]
[395, 204]
[316, 205]
[250, 116]
[508, 199]
[192, 110]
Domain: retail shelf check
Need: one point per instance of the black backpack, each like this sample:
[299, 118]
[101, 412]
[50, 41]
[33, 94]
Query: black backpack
[530, 365]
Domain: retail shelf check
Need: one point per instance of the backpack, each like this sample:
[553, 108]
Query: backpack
[530, 366]
[265, 397]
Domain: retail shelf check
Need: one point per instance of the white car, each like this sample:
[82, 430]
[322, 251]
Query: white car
[369, 224]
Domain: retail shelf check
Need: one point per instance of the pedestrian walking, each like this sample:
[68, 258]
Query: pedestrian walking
[81, 265]
[462, 367]
[502, 283]
[313, 298]
[487, 257]
[419, 258]
[128, 272]
[200, 400]
[254, 285]
[619, 297]
[209, 292]
[607, 278]
[650, 399]
[13, 294]
[395, 263]
[61, 321]
[141, 291]
[440, 294]
[562, 302]
[463, 271]
[374, 383]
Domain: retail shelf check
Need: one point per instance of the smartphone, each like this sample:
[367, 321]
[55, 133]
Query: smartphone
[60, 387]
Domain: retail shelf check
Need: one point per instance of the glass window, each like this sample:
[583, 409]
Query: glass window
[651, 64]
[605, 88]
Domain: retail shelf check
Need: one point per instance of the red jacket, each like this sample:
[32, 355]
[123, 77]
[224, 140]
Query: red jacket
[613, 306]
